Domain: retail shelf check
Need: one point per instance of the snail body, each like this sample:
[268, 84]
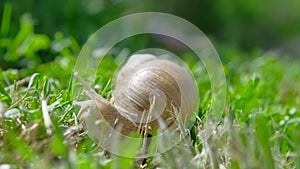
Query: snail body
[147, 90]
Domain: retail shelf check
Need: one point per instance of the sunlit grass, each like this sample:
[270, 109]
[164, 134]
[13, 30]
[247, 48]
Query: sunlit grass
[261, 123]
[260, 126]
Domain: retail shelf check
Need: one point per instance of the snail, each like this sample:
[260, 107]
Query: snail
[148, 90]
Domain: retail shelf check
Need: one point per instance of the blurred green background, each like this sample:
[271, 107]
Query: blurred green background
[247, 24]
[55, 25]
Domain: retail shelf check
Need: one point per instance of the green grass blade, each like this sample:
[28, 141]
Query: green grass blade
[263, 135]
[5, 96]
[5, 24]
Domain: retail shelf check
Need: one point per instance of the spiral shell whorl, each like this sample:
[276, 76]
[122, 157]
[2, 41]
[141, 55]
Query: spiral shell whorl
[144, 78]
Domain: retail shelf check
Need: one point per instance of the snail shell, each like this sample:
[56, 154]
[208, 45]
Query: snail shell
[148, 89]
